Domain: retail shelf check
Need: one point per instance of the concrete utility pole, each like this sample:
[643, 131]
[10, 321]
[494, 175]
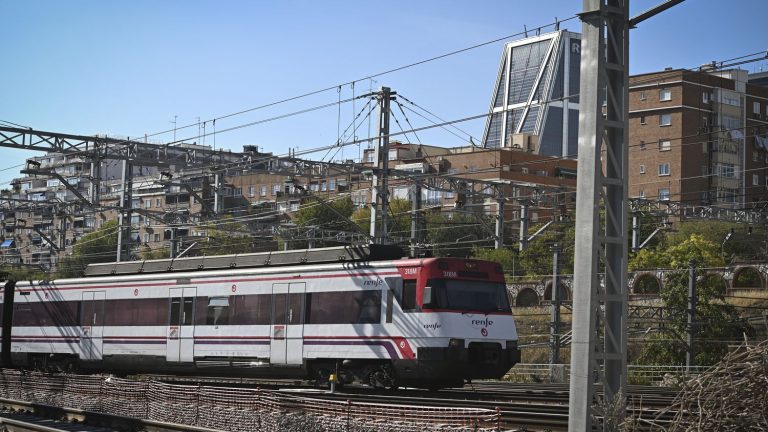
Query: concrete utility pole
[601, 309]
[523, 225]
[415, 219]
[379, 183]
[217, 199]
[95, 187]
[126, 210]
[499, 234]
[555, 329]
[690, 355]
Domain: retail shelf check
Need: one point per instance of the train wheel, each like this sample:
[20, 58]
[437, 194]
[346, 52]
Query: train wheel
[382, 377]
[322, 377]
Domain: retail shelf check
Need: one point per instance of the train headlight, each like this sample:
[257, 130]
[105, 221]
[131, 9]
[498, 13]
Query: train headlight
[456, 343]
[511, 345]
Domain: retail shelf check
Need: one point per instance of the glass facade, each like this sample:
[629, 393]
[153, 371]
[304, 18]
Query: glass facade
[538, 82]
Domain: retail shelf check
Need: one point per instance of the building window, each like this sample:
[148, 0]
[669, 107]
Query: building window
[755, 179]
[756, 107]
[157, 237]
[642, 119]
[642, 169]
[665, 95]
[332, 184]
[148, 203]
[275, 189]
[755, 156]
[664, 169]
[665, 119]
[664, 194]
[733, 100]
[251, 191]
[665, 145]
[393, 154]
[727, 170]
[705, 97]
[641, 194]
[157, 202]
[642, 95]
[371, 156]
[731, 123]
[146, 238]
[323, 186]
[642, 145]
[263, 190]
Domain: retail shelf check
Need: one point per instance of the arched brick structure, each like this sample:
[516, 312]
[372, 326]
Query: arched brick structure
[714, 277]
[748, 277]
[564, 292]
[527, 297]
[646, 283]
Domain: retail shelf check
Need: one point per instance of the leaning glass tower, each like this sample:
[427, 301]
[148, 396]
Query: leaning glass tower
[536, 93]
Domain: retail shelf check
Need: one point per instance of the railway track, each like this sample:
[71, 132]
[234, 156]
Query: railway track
[244, 404]
[23, 416]
[531, 406]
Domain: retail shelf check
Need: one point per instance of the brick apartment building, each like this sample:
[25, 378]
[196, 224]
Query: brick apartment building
[265, 198]
[698, 137]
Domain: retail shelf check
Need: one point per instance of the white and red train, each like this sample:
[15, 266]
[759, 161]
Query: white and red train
[427, 322]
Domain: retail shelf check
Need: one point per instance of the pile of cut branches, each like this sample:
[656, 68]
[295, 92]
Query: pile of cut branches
[731, 396]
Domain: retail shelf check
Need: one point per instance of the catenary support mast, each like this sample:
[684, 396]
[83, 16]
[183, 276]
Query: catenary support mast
[599, 310]
[598, 348]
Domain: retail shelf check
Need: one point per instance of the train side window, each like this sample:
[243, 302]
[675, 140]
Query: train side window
[136, 312]
[23, 316]
[394, 290]
[218, 311]
[280, 313]
[175, 311]
[408, 301]
[189, 309]
[344, 307]
[251, 309]
[295, 312]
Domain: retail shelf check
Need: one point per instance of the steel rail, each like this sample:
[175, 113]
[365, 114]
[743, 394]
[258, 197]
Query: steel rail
[95, 418]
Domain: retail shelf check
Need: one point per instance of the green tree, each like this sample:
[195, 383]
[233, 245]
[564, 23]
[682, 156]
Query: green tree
[96, 247]
[399, 223]
[505, 256]
[10, 272]
[226, 238]
[716, 321]
[324, 214]
[457, 234]
[537, 258]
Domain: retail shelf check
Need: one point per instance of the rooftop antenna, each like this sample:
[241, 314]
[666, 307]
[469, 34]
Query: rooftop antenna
[174, 127]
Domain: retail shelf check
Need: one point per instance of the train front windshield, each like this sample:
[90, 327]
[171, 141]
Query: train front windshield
[467, 295]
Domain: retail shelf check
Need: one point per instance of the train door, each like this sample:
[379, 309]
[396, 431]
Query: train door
[92, 325]
[287, 341]
[181, 330]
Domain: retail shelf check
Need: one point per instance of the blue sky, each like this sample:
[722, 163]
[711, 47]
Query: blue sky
[127, 68]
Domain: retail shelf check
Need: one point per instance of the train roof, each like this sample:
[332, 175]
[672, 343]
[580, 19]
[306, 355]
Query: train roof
[361, 253]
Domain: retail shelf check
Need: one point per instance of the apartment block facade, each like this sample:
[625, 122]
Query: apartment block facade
[698, 137]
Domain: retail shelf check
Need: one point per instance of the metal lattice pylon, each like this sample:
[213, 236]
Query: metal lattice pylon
[598, 350]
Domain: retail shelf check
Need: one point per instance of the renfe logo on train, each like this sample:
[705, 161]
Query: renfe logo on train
[482, 322]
